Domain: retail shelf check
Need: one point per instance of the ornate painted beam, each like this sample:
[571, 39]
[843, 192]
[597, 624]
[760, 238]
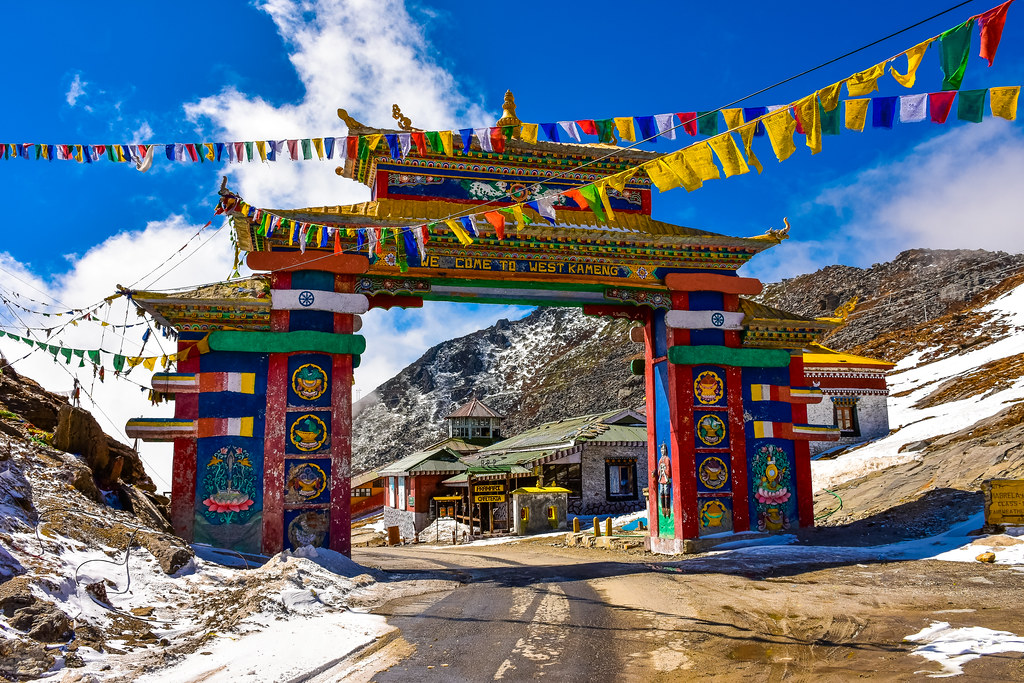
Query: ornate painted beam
[340, 264]
[286, 342]
[769, 392]
[796, 432]
[316, 300]
[712, 282]
[722, 355]
[160, 428]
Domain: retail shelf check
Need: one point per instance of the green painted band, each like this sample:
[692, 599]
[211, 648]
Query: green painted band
[723, 355]
[287, 342]
[636, 366]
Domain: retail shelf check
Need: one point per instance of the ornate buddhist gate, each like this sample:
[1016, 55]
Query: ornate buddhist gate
[262, 426]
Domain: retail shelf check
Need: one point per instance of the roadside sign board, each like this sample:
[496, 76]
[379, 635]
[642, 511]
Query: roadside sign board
[490, 498]
[488, 488]
[1004, 501]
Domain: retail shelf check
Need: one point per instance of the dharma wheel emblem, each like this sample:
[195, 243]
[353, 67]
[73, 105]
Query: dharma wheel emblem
[306, 298]
[717, 319]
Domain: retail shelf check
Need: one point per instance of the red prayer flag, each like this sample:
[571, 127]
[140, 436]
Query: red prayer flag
[940, 103]
[191, 149]
[799, 124]
[992, 23]
[426, 233]
[293, 149]
[239, 151]
[497, 139]
[337, 242]
[498, 221]
[419, 138]
[577, 197]
[587, 126]
[689, 121]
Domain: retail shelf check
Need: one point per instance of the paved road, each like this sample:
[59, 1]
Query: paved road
[511, 620]
[529, 611]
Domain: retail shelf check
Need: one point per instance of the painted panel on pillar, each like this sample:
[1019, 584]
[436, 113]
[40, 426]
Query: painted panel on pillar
[307, 481]
[709, 386]
[713, 473]
[662, 430]
[312, 279]
[705, 301]
[306, 527]
[229, 493]
[710, 430]
[309, 380]
[772, 485]
[714, 516]
[308, 432]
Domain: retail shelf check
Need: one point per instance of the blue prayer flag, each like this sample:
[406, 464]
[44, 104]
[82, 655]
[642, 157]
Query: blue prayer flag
[883, 111]
[551, 131]
[467, 139]
[329, 147]
[647, 127]
[467, 221]
[751, 113]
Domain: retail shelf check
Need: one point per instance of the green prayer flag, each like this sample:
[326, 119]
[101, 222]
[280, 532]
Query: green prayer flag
[200, 152]
[248, 151]
[707, 122]
[435, 141]
[14, 336]
[110, 153]
[2, 333]
[118, 362]
[364, 148]
[956, 46]
[830, 121]
[307, 152]
[79, 352]
[970, 105]
[39, 152]
[67, 355]
[605, 130]
[94, 356]
[42, 345]
[593, 198]
[508, 132]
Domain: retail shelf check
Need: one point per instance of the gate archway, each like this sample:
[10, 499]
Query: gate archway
[263, 415]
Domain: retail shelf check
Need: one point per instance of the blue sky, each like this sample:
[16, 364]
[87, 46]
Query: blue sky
[193, 71]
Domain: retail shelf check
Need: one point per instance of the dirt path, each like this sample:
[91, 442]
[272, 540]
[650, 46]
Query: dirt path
[534, 610]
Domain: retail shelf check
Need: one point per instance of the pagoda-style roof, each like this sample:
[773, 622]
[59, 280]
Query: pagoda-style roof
[474, 408]
[818, 355]
[238, 305]
[770, 327]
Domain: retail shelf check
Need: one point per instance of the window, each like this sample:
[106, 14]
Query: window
[391, 493]
[621, 478]
[846, 419]
[566, 476]
[401, 493]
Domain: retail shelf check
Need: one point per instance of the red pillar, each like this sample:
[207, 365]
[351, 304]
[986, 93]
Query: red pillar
[341, 432]
[183, 474]
[276, 432]
[684, 463]
[801, 448]
[652, 437]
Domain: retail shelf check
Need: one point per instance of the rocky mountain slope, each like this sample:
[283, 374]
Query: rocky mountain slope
[558, 362]
[551, 364]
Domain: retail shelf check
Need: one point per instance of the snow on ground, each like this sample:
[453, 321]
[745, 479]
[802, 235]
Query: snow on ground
[443, 530]
[953, 647]
[917, 381]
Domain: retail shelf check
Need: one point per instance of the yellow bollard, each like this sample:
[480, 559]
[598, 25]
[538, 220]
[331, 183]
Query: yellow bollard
[608, 527]
[575, 525]
[597, 528]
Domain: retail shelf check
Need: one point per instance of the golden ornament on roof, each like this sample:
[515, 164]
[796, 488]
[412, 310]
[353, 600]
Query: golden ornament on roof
[508, 114]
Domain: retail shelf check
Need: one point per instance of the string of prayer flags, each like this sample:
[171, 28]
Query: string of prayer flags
[1003, 101]
[956, 46]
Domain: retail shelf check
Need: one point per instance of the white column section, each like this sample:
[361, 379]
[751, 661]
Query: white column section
[704, 320]
[318, 300]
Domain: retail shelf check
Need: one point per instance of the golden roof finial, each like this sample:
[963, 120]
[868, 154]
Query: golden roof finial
[403, 121]
[508, 114]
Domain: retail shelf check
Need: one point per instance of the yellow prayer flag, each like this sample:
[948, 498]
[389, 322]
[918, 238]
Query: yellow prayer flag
[699, 159]
[373, 140]
[210, 156]
[529, 133]
[728, 155]
[624, 125]
[856, 114]
[261, 147]
[660, 174]
[517, 211]
[183, 354]
[683, 172]
[446, 141]
[149, 363]
[165, 362]
[1004, 102]
[781, 126]
[78, 153]
[619, 180]
[914, 57]
[318, 145]
[104, 324]
[810, 119]
[747, 135]
[830, 96]
[457, 230]
[133, 361]
[602, 190]
[866, 81]
[733, 118]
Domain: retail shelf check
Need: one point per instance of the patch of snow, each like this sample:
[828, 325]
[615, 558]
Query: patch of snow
[442, 530]
[951, 648]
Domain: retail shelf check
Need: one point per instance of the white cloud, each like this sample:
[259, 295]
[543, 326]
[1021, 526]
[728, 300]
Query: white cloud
[76, 90]
[143, 133]
[123, 258]
[957, 190]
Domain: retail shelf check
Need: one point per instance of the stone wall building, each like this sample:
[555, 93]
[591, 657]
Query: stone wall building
[854, 395]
